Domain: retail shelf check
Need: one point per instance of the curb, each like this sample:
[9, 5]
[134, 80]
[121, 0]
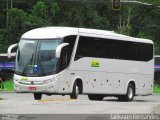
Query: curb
[156, 94]
[6, 91]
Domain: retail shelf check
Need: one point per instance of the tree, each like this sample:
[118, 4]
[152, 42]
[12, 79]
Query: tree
[136, 20]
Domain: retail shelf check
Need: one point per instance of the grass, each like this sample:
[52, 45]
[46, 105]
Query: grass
[8, 86]
[156, 89]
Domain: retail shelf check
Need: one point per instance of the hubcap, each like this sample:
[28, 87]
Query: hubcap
[130, 93]
[77, 90]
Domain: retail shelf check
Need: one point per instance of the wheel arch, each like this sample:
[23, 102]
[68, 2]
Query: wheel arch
[134, 85]
[79, 83]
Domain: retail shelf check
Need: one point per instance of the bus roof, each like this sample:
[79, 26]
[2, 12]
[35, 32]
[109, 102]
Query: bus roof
[50, 32]
[60, 32]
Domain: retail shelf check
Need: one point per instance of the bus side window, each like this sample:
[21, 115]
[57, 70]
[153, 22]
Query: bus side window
[90, 47]
[67, 51]
[83, 48]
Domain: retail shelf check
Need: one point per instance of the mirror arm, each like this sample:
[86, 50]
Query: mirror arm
[10, 49]
[59, 48]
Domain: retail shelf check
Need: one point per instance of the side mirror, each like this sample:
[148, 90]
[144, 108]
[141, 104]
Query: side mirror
[59, 49]
[10, 49]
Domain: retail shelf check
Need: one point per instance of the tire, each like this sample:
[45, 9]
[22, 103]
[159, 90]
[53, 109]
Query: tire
[96, 97]
[37, 96]
[129, 96]
[75, 92]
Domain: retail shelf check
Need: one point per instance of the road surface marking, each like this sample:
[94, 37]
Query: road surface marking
[56, 99]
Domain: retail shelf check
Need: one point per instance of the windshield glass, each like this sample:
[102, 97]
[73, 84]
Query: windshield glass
[36, 57]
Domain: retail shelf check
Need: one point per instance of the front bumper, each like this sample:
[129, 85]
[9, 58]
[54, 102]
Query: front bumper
[45, 88]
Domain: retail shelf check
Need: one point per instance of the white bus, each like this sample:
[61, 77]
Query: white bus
[98, 63]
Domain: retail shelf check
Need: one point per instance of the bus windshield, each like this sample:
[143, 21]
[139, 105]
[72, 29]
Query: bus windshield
[36, 57]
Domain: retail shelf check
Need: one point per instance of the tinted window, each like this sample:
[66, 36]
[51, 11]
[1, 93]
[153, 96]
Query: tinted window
[83, 49]
[90, 47]
[126, 50]
[113, 49]
[66, 52]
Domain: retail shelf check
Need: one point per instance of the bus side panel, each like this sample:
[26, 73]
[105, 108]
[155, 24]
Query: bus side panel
[145, 85]
[86, 82]
[149, 84]
[119, 83]
[63, 82]
[107, 83]
[118, 72]
[94, 82]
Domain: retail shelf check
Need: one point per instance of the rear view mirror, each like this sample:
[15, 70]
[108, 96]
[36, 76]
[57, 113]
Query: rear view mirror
[10, 49]
[59, 49]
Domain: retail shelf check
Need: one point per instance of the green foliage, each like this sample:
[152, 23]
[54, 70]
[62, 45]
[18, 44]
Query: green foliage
[155, 2]
[134, 19]
[16, 24]
[156, 89]
[3, 39]
[8, 86]
[40, 10]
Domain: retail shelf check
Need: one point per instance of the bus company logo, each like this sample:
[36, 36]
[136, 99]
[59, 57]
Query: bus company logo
[32, 83]
[95, 64]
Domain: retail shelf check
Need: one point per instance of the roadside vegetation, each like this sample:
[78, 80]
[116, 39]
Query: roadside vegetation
[8, 86]
[156, 89]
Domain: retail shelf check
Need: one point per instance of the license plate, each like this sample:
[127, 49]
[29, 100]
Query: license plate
[32, 88]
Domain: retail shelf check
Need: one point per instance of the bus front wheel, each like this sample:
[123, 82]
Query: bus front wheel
[37, 96]
[75, 91]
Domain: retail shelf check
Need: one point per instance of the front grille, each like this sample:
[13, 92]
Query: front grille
[30, 83]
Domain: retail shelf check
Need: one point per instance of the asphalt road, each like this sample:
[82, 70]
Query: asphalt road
[18, 103]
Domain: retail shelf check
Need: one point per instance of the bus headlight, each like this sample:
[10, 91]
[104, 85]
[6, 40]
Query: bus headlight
[48, 81]
[15, 79]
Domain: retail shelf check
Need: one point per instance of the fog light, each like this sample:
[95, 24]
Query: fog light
[16, 80]
[46, 82]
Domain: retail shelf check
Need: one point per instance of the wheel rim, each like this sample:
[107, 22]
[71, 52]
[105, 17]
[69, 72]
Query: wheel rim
[77, 90]
[130, 93]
